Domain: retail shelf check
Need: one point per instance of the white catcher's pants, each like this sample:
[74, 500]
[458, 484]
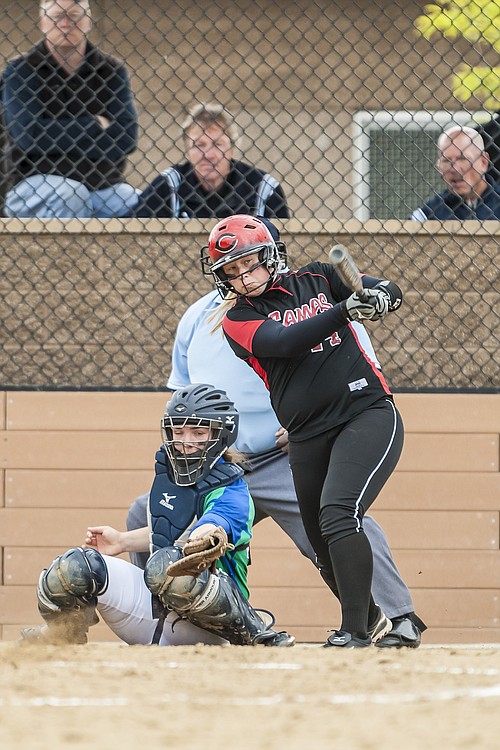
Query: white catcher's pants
[125, 607]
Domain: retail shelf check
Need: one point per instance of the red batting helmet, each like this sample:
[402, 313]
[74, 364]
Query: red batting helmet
[234, 238]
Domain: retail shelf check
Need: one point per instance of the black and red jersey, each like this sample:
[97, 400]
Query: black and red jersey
[296, 337]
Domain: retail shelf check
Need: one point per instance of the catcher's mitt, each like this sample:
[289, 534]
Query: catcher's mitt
[200, 553]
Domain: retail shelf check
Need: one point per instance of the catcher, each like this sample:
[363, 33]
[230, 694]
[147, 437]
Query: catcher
[194, 588]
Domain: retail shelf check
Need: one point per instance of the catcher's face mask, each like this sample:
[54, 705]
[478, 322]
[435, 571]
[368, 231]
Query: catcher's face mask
[192, 446]
[190, 439]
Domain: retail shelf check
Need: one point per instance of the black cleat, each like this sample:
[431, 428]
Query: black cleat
[274, 638]
[404, 634]
[380, 627]
[343, 639]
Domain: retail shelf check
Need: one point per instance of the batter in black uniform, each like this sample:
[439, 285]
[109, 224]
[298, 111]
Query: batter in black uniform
[346, 435]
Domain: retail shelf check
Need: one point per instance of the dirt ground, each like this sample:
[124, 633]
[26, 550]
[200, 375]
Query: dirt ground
[112, 695]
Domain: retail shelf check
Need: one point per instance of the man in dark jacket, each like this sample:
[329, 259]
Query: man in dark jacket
[211, 183]
[70, 122]
[470, 193]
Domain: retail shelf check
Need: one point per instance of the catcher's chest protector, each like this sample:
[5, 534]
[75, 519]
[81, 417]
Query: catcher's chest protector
[173, 508]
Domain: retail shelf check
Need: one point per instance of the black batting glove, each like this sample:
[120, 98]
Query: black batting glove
[374, 306]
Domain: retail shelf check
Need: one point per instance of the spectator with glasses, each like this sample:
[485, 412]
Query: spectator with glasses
[470, 192]
[70, 122]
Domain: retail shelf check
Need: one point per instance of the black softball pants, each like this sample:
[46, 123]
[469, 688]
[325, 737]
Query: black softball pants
[338, 475]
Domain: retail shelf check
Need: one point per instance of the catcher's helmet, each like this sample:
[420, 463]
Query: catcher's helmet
[234, 238]
[200, 405]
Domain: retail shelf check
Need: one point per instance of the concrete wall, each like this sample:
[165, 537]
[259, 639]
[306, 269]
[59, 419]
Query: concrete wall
[92, 304]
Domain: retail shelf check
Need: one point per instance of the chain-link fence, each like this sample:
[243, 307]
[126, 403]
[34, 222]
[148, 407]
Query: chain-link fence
[333, 116]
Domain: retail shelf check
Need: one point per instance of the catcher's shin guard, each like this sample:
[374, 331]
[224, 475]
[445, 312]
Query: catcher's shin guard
[155, 573]
[177, 593]
[213, 602]
[222, 609]
[67, 594]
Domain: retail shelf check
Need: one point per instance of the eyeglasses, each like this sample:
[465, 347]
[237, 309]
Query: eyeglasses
[73, 18]
[460, 163]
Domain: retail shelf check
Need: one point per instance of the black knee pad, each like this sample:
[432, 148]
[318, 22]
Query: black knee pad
[155, 572]
[177, 593]
[183, 592]
[77, 577]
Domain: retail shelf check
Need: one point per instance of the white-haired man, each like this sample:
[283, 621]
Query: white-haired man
[463, 164]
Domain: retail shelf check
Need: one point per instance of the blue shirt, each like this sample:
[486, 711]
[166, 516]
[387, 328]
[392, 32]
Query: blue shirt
[221, 499]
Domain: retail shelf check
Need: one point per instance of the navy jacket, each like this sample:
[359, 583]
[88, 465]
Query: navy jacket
[178, 193]
[448, 205]
[50, 118]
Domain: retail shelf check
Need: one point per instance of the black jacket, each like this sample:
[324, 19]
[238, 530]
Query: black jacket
[448, 205]
[178, 193]
[50, 118]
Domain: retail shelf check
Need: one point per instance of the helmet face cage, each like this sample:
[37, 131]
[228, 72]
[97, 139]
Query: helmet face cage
[199, 406]
[188, 468]
[236, 237]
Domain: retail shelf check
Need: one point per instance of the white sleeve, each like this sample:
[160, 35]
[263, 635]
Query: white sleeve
[418, 215]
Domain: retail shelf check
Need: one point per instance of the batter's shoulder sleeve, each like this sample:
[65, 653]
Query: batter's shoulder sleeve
[240, 325]
[269, 338]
